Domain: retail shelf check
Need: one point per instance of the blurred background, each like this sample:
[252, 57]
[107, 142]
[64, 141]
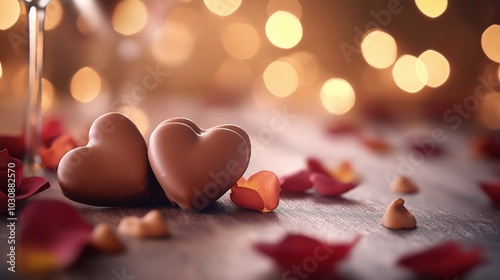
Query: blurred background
[387, 59]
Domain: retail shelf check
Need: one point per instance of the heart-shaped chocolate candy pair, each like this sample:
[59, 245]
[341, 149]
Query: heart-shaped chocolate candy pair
[196, 167]
[112, 170]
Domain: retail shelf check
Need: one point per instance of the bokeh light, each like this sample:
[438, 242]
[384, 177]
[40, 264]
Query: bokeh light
[291, 6]
[490, 41]
[490, 111]
[307, 67]
[222, 7]
[233, 74]
[85, 85]
[172, 44]
[410, 73]
[379, 49]
[129, 49]
[241, 40]
[48, 95]
[337, 96]
[432, 8]
[188, 17]
[9, 13]
[137, 116]
[284, 30]
[54, 12]
[281, 78]
[438, 67]
[129, 17]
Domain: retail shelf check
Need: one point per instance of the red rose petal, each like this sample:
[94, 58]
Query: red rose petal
[52, 156]
[492, 189]
[342, 129]
[329, 186]
[445, 261]
[51, 130]
[488, 145]
[316, 166]
[297, 255]
[297, 182]
[5, 160]
[52, 236]
[31, 186]
[15, 145]
[261, 192]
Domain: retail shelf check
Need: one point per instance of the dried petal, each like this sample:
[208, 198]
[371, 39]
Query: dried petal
[329, 186]
[297, 182]
[52, 236]
[261, 192]
[304, 257]
[492, 189]
[51, 156]
[445, 261]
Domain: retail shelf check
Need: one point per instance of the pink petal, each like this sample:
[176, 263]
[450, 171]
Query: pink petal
[52, 230]
[30, 187]
[306, 258]
[316, 166]
[297, 182]
[445, 261]
[329, 186]
[492, 189]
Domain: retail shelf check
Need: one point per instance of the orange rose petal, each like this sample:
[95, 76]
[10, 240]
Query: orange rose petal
[263, 184]
[247, 198]
[345, 172]
[51, 156]
[377, 145]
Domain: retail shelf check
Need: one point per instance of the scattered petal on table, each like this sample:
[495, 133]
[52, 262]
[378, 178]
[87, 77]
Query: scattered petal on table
[488, 145]
[445, 261]
[261, 192]
[314, 165]
[297, 182]
[329, 186]
[51, 156]
[11, 181]
[342, 129]
[152, 225]
[52, 236]
[375, 144]
[345, 173]
[295, 254]
[51, 130]
[15, 145]
[492, 189]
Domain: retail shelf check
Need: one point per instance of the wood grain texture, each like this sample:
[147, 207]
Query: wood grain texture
[218, 243]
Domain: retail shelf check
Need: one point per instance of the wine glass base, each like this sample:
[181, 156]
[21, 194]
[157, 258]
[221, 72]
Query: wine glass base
[34, 169]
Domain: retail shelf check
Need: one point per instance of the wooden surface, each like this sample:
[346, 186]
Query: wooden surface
[218, 242]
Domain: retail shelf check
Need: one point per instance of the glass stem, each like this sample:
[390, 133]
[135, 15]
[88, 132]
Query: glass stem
[33, 117]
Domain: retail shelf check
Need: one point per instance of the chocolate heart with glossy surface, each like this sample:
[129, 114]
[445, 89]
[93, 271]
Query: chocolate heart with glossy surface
[195, 167]
[112, 170]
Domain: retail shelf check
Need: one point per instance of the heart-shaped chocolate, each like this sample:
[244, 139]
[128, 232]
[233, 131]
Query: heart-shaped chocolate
[194, 166]
[112, 170]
